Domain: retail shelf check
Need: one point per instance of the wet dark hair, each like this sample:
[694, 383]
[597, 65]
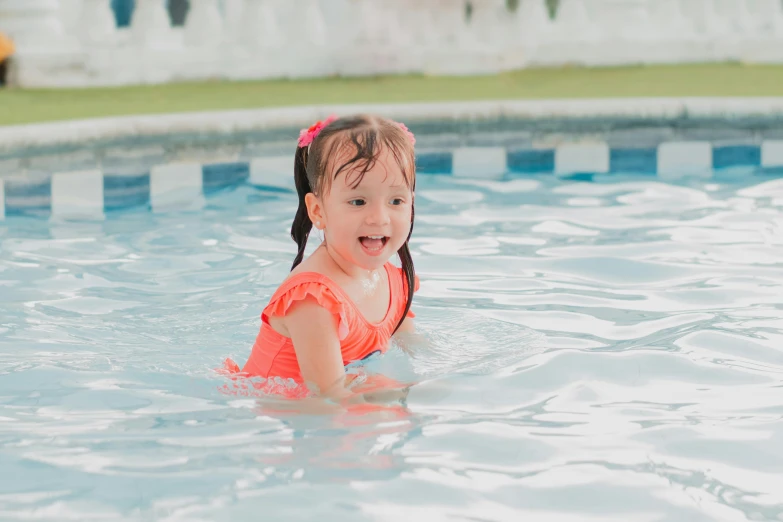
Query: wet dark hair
[361, 139]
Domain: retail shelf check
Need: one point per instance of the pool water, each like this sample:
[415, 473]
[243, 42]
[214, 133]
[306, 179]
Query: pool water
[606, 350]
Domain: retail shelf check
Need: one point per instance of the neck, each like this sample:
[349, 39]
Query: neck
[350, 269]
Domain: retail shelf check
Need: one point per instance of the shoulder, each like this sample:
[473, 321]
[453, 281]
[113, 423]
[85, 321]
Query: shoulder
[307, 291]
[308, 294]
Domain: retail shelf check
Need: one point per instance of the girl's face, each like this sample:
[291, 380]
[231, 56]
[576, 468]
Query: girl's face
[367, 224]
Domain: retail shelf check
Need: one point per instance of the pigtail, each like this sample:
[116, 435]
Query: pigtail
[300, 229]
[406, 260]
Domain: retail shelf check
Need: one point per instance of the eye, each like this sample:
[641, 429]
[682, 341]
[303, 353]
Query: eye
[397, 201]
[356, 202]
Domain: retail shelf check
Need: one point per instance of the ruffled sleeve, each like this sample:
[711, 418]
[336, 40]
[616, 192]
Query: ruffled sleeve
[286, 296]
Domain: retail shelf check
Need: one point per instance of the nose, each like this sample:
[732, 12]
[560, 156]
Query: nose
[377, 215]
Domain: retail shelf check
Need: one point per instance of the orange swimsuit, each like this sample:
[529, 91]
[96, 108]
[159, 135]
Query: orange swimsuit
[273, 354]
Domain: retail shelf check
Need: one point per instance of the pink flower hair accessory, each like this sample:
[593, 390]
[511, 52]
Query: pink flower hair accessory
[408, 132]
[306, 136]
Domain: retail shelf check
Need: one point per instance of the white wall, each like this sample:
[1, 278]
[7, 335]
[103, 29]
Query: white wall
[76, 43]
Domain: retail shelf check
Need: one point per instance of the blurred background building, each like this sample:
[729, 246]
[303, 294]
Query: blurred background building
[120, 42]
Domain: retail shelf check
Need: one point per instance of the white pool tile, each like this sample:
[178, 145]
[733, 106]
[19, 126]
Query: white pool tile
[77, 194]
[273, 171]
[572, 158]
[772, 153]
[479, 162]
[176, 186]
[684, 158]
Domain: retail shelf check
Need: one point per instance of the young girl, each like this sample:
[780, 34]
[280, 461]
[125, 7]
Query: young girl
[355, 178]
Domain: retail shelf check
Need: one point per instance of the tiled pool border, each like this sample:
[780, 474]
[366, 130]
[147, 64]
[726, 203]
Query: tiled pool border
[85, 193]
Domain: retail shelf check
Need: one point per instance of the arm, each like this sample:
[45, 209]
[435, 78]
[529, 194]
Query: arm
[313, 332]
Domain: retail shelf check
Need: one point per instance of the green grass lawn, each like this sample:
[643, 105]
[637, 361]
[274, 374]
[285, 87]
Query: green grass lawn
[35, 105]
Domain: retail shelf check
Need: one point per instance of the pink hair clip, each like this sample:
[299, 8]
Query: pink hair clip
[306, 136]
[409, 133]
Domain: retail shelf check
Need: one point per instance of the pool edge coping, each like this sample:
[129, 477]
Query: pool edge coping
[170, 184]
[227, 122]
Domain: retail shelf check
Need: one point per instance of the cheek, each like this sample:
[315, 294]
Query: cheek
[403, 218]
[345, 222]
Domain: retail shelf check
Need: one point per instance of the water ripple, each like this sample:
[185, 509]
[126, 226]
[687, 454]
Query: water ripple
[586, 351]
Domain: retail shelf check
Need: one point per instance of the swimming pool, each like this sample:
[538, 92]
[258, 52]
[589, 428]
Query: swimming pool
[602, 350]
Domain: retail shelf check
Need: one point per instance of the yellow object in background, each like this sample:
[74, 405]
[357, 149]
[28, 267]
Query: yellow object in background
[6, 47]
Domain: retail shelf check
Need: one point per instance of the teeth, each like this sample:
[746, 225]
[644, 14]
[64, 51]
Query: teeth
[376, 237]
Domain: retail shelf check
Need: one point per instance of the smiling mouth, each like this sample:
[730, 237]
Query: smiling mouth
[373, 243]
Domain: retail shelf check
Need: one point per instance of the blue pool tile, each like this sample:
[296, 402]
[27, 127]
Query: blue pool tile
[435, 163]
[772, 171]
[736, 155]
[531, 160]
[24, 196]
[577, 176]
[641, 161]
[126, 191]
[221, 175]
[275, 190]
